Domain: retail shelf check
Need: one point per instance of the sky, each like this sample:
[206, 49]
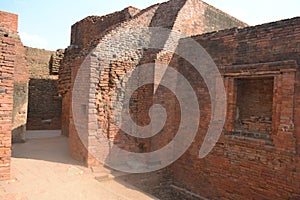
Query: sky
[47, 24]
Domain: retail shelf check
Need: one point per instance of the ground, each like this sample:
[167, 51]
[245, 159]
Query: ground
[43, 169]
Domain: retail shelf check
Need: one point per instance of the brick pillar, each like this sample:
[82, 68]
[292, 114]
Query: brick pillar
[8, 24]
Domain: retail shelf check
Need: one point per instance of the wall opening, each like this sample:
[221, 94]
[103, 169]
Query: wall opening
[44, 105]
[254, 106]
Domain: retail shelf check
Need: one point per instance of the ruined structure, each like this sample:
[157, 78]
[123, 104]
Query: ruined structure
[44, 110]
[259, 140]
[25, 80]
[257, 155]
[37, 105]
[188, 17]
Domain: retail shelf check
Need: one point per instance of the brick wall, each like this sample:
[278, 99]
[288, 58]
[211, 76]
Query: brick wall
[244, 166]
[254, 104]
[39, 62]
[197, 17]
[55, 61]
[84, 31]
[21, 79]
[74, 57]
[188, 17]
[9, 22]
[8, 37]
[44, 103]
[241, 166]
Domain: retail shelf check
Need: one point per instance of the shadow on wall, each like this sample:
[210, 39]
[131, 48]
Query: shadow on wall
[44, 105]
[20, 111]
[18, 134]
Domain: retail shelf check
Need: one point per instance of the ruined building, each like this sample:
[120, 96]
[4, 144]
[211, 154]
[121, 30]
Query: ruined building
[257, 154]
[29, 96]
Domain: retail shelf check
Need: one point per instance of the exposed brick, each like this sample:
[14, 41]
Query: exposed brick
[189, 17]
[44, 103]
[8, 50]
[257, 155]
[246, 166]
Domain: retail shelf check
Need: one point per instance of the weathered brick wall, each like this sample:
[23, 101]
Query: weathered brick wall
[197, 17]
[177, 15]
[21, 78]
[228, 172]
[84, 31]
[244, 166]
[83, 35]
[156, 183]
[33, 83]
[9, 22]
[44, 104]
[254, 97]
[191, 17]
[69, 62]
[39, 62]
[74, 57]
[8, 37]
[168, 15]
[55, 61]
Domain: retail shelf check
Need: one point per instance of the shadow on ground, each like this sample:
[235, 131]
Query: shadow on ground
[45, 145]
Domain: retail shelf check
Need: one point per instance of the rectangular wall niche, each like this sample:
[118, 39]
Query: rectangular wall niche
[254, 103]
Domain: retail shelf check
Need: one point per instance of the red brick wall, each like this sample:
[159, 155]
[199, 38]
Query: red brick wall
[9, 22]
[21, 79]
[242, 167]
[185, 16]
[84, 31]
[8, 38]
[66, 75]
[190, 17]
[86, 34]
[197, 17]
[255, 97]
[239, 167]
[44, 110]
[74, 57]
[254, 104]
[38, 61]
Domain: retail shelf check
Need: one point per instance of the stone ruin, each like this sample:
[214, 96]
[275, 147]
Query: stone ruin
[257, 154]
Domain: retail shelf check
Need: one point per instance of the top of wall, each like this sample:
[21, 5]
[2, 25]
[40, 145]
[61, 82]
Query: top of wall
[270, 42]
[224, 14]
[38, 61]
[95, 18]
[196, 17]
[250, 29]
[191, 17]
[94, 25]
[8, 22]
